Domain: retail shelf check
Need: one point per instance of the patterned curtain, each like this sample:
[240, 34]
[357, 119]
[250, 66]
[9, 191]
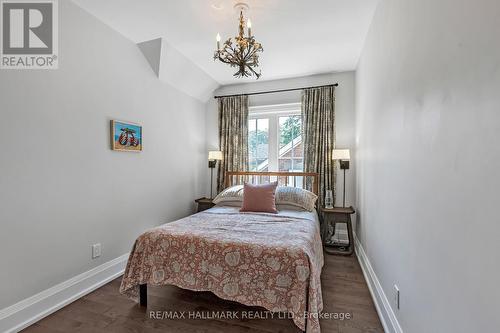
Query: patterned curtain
[233, 136]
[318, 122]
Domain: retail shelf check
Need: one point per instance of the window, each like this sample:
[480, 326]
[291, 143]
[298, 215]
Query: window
[290, 156]
[258, 143]
[275, 138]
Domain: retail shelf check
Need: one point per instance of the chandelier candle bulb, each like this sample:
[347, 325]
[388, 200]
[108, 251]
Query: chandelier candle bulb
[218, 41]
[249, 26]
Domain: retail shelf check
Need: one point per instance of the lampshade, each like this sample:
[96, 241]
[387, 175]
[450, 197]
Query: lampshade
[341, 154]
[214, 155]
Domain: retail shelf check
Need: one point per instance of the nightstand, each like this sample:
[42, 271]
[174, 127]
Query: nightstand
[204, 204]
[332, 216]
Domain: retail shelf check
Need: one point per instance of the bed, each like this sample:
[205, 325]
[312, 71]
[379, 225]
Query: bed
[257, 259]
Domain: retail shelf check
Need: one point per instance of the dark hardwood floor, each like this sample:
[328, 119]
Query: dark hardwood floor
[105, 310]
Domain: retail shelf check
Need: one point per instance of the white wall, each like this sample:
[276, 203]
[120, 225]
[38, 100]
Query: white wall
[428, 160]
[344, 112]
[187, 77]
[61, 187]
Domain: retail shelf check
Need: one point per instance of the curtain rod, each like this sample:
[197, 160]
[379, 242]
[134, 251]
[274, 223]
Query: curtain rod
[277, 91]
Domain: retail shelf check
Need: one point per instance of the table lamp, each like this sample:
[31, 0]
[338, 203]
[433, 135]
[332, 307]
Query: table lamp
[213, 157]
[343, 156]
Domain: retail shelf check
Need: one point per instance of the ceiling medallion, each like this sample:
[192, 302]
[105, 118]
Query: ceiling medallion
[244, 53]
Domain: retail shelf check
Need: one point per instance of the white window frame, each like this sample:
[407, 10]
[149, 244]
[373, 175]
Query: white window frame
[273, 112]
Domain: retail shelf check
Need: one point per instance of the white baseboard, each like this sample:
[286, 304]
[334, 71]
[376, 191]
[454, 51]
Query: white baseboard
[30, 310]
[384, 309]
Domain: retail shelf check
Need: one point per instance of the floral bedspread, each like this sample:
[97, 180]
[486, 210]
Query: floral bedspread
[257, 259]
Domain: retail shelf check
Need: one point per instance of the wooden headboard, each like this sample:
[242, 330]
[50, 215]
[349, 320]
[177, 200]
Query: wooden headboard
[295, 179]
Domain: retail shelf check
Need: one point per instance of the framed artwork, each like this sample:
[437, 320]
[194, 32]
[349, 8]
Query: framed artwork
[126, 136]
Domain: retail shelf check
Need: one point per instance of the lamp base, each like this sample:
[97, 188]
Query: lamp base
[212, 181]
[344, 164]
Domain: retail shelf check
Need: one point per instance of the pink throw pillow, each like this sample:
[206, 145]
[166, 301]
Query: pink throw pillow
[259, 198]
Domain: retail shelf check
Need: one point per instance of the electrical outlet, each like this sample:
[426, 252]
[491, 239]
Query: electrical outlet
[96, 250]
[396, 297]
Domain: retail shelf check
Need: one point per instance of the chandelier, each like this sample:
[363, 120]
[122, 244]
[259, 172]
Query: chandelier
[244, 53]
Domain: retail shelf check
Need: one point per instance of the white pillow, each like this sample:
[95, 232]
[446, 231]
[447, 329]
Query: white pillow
[294, 196]
[231, 196]
[290, 207]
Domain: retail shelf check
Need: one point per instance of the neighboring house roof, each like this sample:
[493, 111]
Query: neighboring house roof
[283, 151]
